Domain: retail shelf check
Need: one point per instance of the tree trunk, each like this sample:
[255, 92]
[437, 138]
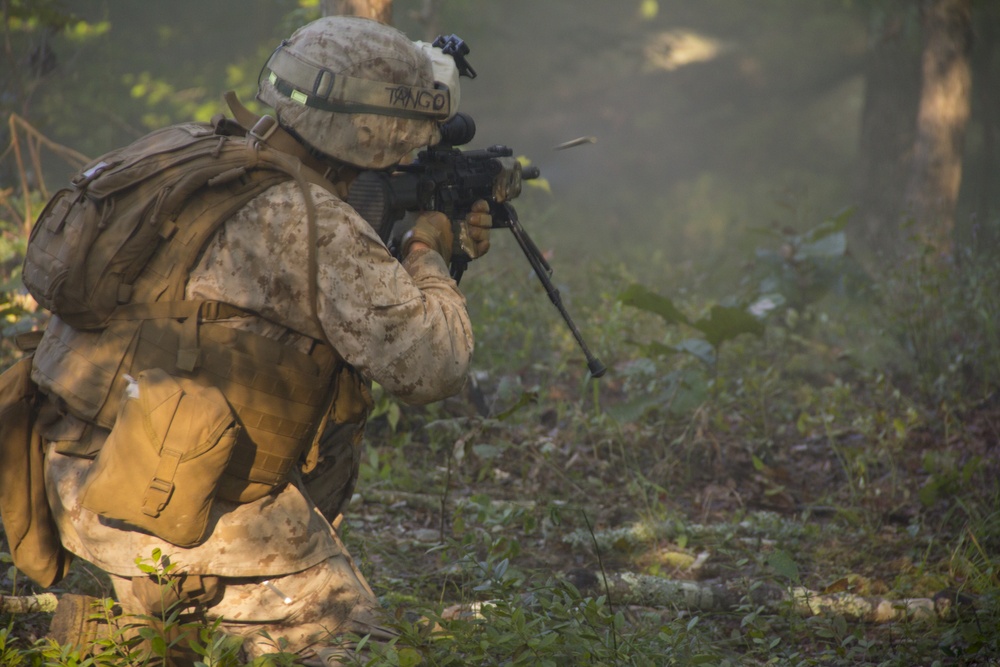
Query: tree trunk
[981, 193]
[942, 117]
[380, 10]
[892, 86]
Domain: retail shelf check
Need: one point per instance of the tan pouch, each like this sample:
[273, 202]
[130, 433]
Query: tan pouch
[24, 508]
[160, 466]
[331, 468]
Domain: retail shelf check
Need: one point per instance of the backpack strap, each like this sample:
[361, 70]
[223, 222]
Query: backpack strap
[266, 129]
[294, 159]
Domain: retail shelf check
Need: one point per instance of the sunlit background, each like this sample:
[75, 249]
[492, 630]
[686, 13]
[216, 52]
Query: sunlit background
[712, 117]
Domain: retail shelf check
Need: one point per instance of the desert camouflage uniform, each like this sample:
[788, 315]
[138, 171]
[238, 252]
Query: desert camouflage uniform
[403, 325]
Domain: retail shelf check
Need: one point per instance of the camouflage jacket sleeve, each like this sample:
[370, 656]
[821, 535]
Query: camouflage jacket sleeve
[404, 326]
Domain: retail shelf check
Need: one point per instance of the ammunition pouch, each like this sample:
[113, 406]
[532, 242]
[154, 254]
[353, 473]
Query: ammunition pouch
[160, 467]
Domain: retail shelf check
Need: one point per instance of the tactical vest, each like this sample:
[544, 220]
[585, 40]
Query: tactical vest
[111, 256]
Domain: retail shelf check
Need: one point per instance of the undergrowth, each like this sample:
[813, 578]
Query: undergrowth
[804, 428]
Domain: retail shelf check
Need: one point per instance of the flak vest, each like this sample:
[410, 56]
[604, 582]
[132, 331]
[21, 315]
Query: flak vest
[111, 256]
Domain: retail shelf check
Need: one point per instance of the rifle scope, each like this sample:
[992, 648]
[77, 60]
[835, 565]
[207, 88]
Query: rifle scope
[459, 130]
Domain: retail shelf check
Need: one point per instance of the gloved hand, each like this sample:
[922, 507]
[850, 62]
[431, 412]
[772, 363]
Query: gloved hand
[433, 229]
[479, 222]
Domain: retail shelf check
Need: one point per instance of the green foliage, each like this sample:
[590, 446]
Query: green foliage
[796, 270]
[139, 640]
[551, 623]
[9, 653]
[108, 75]
[41, 15]
[791, 279]
[947, 316]
[17, 311]
[385, 406]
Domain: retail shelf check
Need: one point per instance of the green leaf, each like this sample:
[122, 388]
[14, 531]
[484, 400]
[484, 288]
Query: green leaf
[159, 645]
[783, 564]
[699, 349]
[487, 452]
[826, 239]
[409, 657]
[636, 408]
[654, 349]
[690, 394]
[766, 303]
[839, 221]
[642, 298]
[928, 493]
[834, 245]
[725, 323]
[393, 415]
[526, 398]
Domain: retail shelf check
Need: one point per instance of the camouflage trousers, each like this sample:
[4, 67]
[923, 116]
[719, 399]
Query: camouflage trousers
[308, 613]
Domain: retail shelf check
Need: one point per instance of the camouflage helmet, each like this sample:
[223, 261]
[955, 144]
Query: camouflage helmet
[360, 91]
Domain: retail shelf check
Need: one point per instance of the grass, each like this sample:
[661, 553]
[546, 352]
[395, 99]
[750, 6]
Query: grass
[827, 453]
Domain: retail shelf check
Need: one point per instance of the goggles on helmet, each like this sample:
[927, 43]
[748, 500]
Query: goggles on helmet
[315, 86]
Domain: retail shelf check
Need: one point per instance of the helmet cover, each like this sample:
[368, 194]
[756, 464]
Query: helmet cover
[359, 91]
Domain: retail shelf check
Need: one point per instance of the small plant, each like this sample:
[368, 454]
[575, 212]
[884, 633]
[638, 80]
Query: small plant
[947, 316]
[518, 623]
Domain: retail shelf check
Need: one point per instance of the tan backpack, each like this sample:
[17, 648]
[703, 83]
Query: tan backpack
[93, 241]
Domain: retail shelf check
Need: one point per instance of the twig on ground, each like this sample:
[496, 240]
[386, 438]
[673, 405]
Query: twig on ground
[650, 591]
[28, 604]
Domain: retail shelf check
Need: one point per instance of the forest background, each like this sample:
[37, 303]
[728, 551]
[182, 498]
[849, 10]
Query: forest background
[780, 244]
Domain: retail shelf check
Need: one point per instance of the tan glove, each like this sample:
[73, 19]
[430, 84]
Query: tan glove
[478, 223]
[433, 229]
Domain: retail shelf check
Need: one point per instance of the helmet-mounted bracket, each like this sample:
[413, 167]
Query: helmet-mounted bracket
[454, 46]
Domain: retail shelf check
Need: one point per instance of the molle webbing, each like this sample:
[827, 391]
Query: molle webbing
[278, 393]
[86, 368]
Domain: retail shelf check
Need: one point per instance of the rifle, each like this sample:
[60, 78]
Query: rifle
[447, 179]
